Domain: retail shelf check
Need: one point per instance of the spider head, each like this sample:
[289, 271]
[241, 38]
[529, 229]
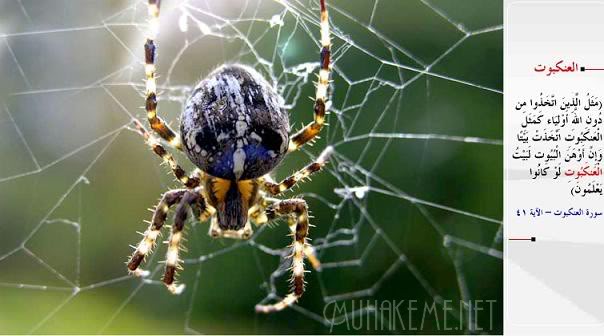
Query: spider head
[232, 200]
[232, 212]
[234, 125]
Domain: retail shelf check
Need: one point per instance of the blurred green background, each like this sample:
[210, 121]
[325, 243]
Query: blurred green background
[75, 183]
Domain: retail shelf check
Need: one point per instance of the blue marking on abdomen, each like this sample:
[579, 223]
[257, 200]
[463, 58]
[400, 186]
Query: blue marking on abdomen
[256, 157]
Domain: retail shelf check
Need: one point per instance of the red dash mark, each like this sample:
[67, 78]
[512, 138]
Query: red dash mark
[532, 239]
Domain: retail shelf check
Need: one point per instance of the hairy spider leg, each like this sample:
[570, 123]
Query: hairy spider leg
[258, 215]
[191, 181]
[277, 188]
[156, 123]
[207, 213]
[311, 130]
[309, 251]
[189, 199]
[150, 236]
[299, 209]
[257, 212]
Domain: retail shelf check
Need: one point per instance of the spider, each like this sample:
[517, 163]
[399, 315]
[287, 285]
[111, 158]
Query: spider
[235, 130]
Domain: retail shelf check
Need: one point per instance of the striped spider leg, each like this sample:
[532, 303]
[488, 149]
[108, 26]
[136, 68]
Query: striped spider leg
[310, 131]
[299, 226]
[296, 212]
[156, 123]
[186, 199]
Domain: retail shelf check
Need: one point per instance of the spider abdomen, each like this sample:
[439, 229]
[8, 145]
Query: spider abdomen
[234, 126]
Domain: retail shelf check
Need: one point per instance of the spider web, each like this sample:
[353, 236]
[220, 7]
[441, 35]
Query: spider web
[409, 208]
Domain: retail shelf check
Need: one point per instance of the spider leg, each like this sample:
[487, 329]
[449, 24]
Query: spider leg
[191, 181]
[156, 123]
[309, 251]
[188, 200]
[150, 236]
[298, 208]
[277, 188]
[258, 215]
[311, 254]
[206, 213]
[311, 130]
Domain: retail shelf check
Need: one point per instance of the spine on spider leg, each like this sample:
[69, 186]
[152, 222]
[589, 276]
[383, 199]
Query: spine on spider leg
[142, 250]
[300, 175]
[173, 261]
[153, 231]
[300, 232]
[157, 124]
[324, 72]
[159, 150]
[311, 131]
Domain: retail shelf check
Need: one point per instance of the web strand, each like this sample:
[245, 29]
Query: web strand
[265, 35]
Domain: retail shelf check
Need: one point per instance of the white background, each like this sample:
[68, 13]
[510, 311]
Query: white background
[554, 285]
